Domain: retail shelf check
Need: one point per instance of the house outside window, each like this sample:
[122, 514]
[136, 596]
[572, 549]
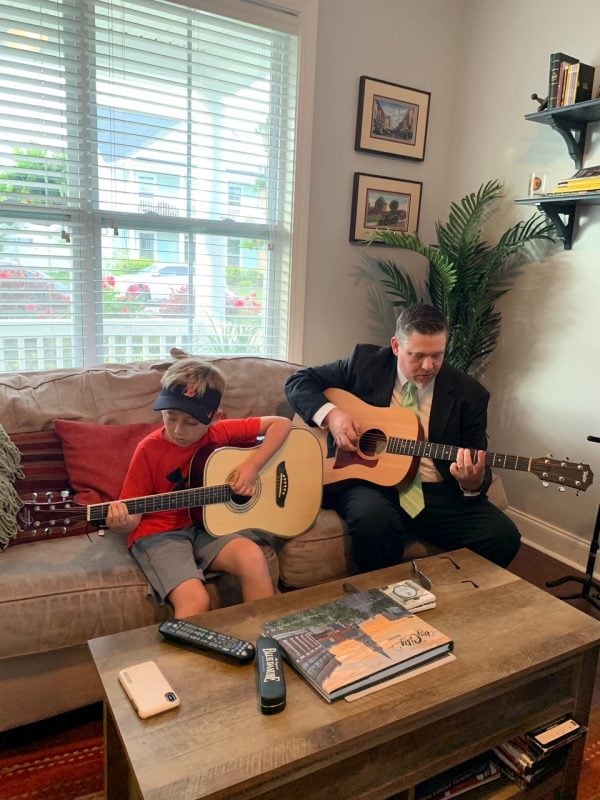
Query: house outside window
[133, 166]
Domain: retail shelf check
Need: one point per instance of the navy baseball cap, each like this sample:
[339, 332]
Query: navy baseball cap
[182, 398]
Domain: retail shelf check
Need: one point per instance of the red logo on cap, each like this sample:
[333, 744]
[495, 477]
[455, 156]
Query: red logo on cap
[190, 391]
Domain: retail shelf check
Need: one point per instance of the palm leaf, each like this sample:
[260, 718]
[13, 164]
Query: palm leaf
[466, 274]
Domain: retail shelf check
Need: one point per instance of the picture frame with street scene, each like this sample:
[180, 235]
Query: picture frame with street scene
[392, 119]
[379, 202]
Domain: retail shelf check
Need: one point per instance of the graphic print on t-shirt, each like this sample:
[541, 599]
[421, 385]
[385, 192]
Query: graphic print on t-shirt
[178, 479]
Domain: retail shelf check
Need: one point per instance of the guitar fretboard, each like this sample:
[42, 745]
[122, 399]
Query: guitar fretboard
[446, 452]
[186, 498]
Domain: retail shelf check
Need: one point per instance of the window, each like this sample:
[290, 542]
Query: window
[145, 202]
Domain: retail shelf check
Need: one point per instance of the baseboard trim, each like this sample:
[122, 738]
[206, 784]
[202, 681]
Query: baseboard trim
[552, 541]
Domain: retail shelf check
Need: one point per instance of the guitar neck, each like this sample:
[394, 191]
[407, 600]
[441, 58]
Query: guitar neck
[169, 501]
[446, 452]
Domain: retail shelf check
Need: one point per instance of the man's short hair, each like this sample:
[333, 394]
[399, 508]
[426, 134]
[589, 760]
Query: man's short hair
[422, 319]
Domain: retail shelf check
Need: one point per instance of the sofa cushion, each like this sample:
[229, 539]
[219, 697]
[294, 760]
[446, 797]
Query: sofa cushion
[97, 456]
[320, 554]
[110, 394]
[64, 592]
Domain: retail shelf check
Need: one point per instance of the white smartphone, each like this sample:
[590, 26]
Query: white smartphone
[148, 689]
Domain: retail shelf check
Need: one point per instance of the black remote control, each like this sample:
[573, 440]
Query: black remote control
[182, 632]
[271, 680]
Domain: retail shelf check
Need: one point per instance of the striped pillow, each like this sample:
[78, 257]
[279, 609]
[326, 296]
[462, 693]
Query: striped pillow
[44, 471]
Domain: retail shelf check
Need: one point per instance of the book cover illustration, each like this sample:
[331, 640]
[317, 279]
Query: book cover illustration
[355, 641]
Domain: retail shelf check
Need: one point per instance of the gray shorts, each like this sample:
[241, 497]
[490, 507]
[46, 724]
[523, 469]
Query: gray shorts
[168, 559]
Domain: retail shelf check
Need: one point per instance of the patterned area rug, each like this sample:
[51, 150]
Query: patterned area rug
[70, 767]
[589, 782]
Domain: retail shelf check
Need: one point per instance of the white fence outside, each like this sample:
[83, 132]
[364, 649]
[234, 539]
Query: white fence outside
[49, 344]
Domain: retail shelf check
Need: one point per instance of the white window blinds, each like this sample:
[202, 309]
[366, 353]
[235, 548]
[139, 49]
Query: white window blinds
[146, 181]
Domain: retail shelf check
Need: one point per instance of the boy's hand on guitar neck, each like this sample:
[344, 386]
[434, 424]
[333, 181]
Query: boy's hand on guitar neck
[119, 519]
[468, 474]
[344, 429]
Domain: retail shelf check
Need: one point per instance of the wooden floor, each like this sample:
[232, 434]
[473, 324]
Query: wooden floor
[537, 568]
[529, 564]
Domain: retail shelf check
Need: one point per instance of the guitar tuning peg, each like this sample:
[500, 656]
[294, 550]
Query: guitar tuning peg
[562, 488]
[48, 496]
[64, 494]
[545, 484]
[34, 496]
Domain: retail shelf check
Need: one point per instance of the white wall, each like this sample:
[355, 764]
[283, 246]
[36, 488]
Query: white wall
[409, 42]
[545, 375]
[481, 60]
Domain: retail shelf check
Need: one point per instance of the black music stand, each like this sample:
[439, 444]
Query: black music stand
[587, 581]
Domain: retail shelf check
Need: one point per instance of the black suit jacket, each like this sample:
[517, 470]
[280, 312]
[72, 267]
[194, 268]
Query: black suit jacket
[458, 410]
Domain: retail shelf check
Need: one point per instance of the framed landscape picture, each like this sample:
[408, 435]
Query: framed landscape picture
[392, 119]
[379, 202]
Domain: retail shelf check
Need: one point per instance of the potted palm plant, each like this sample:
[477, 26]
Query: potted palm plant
[466, 274]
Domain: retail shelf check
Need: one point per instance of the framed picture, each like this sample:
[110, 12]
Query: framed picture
[379, 202]
[392, 119]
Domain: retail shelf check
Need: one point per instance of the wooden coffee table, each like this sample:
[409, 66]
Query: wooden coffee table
[523, 658]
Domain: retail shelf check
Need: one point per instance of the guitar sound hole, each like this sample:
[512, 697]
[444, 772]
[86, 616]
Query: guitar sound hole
[242, 502]
[372, 442]
[240, 499]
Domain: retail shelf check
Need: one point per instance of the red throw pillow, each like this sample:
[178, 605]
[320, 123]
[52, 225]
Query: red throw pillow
[97, 456]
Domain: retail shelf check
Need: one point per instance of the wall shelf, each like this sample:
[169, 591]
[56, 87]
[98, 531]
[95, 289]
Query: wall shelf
[571, 122]
[556, 207]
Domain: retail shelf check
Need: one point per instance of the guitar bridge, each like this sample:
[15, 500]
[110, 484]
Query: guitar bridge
[282, 484]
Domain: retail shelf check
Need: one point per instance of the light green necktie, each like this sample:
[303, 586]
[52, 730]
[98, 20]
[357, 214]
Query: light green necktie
[411, 498]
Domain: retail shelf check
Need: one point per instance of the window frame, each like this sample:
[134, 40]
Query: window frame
[300, 17]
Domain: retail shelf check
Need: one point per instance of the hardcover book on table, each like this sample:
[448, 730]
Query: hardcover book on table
[356, 641]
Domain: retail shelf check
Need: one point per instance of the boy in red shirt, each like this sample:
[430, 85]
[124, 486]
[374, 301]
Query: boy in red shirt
[176, 555]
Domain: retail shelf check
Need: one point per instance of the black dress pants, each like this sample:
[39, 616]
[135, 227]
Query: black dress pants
[379, 527]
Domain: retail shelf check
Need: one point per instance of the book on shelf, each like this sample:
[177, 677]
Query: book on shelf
[584, 83]
[578, 85]
[570, 85]
[547, 738]
[570, 81]
[528, 776]
[555, 66]
[533, 756]
[359, 640]
[584, 180]
[562, 76]
[459, 779]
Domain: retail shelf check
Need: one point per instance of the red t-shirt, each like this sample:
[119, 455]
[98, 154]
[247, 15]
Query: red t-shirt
[159, 466]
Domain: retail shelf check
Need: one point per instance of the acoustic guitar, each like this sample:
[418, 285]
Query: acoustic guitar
[286, 501]
[390, 447]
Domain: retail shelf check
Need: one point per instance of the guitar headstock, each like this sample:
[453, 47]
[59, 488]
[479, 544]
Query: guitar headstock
[563, 472]
[49, 515]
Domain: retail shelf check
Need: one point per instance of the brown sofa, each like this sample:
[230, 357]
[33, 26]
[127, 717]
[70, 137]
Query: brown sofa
[62, 583]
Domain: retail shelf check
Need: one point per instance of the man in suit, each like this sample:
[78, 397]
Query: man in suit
[452, 408]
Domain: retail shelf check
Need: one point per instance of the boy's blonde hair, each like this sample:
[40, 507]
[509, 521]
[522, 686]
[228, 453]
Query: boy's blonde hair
[196, 375]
